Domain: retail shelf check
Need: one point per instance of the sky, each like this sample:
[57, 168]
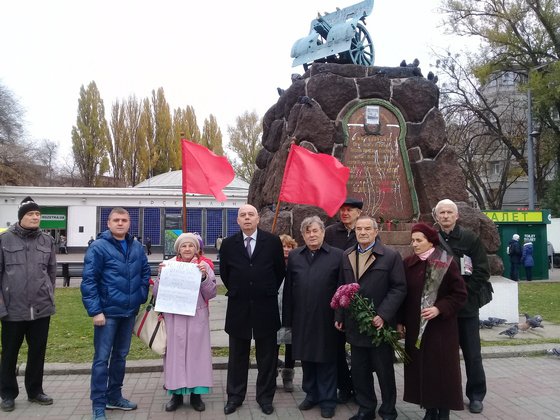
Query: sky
[221, 57]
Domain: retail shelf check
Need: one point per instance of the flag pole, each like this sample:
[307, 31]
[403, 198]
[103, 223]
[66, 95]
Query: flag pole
[276, 216]
[183, 193]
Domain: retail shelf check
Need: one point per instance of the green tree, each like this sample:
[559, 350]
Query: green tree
[163, 133]
[135, 156]
[184, 126]
[90, 136]
[212, 135]
[118, 141]
[149, 153]
[245, 143]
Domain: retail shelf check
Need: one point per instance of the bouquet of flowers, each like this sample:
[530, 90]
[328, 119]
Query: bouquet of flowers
[435, 270]
[362, 310]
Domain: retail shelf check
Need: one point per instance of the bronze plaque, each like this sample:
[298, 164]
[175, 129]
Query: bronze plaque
[378, 171]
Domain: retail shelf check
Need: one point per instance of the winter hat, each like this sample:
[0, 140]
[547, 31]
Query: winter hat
[186, 237]
[353, 202]
[430, 233]
[27, 205]
[515, 237]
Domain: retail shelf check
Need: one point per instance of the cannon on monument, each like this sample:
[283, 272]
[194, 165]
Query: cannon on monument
[337, 37]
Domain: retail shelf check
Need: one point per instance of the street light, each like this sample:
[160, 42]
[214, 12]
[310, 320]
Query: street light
[530, 153]
[531, 135]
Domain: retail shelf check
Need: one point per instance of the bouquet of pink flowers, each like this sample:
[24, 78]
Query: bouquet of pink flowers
[362, 310]
[435, 271]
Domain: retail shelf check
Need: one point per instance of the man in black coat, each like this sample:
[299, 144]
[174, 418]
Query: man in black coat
[341, 235]
[380, 272]
[252, 268]
[311, 280]
[514, 252]
[465, 245]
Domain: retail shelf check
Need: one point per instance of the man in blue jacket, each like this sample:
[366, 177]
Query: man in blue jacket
[115, 283]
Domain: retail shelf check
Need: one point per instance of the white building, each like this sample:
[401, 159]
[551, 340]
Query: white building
[81, 213]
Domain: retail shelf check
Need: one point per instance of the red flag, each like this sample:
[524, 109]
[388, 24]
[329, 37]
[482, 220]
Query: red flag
[315, 179]
[204, 172]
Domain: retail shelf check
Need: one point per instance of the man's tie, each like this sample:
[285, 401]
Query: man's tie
[248, 246]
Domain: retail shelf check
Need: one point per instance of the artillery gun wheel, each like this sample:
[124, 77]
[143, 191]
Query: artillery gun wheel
[361, 49]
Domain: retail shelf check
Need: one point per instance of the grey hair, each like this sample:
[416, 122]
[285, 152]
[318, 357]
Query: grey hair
[308, 221]
[368, 217]
[446, 202]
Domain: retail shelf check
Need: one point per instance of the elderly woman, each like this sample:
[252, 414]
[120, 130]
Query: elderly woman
[188, 360]
[288, 244]
[311, 280]
[435, 293]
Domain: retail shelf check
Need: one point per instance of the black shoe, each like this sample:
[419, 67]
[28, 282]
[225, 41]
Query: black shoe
[431, 414]
[443, 414]
[475, 406]
[267, 409]
[362, 415]
[344, 396]
[230, 407]
[327, 413]
[42, 399]
[197, 403]
[306, 405]
[8, 404]
[174, 403]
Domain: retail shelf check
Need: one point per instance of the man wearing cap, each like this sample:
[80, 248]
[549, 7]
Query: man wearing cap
[514, 252]
[341, 235]
[27, 282]
[464, 243]
[115, 283]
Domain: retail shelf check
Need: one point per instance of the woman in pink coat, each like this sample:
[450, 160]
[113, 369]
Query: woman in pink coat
[187, 363]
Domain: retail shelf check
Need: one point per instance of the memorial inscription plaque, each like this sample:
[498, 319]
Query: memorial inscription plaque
[379, 173]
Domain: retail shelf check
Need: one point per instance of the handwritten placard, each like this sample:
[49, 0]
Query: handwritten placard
[179, 285]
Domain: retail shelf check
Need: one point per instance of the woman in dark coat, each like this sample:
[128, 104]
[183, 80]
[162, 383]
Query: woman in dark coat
[433, 377]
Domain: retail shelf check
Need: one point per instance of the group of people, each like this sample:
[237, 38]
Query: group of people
[522, 255]
[350, 251]
[254, 265]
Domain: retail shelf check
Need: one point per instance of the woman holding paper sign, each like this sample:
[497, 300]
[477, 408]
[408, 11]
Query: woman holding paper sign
[188, 360]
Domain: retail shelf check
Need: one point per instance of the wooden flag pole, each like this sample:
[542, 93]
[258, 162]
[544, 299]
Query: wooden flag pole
[184, 194]
[276, 216]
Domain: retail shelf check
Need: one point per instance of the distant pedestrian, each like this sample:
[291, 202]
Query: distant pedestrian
[148, 244]
[90, 241]
[514, 252]
[527, 259]
[27, 282]
[62, 248]
[550, 253]
[115, 283]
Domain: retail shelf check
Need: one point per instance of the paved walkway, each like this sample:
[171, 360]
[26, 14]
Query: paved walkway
[519, 388]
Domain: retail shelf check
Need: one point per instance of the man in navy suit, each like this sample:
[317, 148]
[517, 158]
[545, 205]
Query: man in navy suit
[252, 268]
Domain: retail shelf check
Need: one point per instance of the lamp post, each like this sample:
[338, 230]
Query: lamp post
[530, 153]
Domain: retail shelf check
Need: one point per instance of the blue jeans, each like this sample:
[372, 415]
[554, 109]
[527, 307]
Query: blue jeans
[110, 341]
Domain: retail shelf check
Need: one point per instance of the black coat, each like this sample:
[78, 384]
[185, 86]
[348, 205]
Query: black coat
[383, 282]
[338, 236]
[252, 284]
[308, 290]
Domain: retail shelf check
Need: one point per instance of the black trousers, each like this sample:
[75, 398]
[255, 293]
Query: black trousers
[35, 333]
[344, 378]
[319, 383]
[238, 368]
[365, 361]
[469, 340]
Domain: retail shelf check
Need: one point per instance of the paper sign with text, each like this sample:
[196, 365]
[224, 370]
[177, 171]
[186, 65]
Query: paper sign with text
[179, 285]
